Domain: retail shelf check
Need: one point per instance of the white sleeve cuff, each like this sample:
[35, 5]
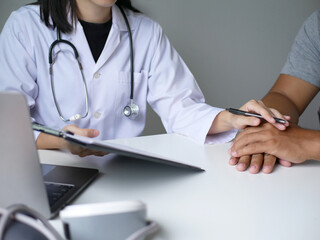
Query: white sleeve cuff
[220, 138]
[199, 130]
[36, 135]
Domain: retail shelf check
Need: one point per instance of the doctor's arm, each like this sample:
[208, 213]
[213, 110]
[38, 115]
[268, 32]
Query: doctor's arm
[45, 141]
[176, 97]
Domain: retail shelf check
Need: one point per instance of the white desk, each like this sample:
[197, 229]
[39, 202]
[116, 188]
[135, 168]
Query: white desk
[220, 203]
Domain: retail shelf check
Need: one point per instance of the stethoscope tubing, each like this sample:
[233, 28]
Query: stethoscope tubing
[51, 62]
[132, 107]
[131, 52]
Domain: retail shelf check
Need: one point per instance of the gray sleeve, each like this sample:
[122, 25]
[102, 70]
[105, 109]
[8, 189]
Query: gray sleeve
[303, 61]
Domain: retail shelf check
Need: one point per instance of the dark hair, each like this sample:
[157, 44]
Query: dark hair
[58, 10]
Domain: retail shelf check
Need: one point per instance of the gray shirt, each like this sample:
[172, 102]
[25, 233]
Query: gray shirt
[304, 58]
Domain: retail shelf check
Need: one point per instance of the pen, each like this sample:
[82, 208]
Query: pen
[58, 133]
[244, 113]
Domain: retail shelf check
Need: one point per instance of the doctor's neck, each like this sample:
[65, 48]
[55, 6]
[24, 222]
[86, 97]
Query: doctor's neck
[94, 11]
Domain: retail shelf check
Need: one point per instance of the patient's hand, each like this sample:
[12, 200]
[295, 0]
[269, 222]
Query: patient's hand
[257, 162]
[295, 144]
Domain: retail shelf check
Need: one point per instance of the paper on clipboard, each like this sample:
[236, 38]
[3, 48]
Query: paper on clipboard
[128, 151]
[113, 146]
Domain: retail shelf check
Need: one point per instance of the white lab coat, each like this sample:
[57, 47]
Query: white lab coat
[161, 78]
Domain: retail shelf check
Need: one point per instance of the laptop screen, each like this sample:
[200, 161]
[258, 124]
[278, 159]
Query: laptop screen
[46, 169]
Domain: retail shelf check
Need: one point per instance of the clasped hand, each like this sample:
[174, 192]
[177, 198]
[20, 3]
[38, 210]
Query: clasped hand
[242, 153]
[291, 145]
[262, 145]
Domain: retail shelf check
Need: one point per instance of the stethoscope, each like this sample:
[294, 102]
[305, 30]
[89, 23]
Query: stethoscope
[131, 110]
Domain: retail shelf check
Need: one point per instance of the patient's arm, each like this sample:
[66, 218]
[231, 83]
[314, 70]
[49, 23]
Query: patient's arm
[290, 96]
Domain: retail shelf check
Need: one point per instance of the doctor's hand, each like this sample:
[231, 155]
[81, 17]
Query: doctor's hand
[78, 150]
[226, 120]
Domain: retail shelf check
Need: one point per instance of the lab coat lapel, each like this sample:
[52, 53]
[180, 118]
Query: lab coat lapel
[78, 38]
[112, 43]
[118, 26]
[113, 40]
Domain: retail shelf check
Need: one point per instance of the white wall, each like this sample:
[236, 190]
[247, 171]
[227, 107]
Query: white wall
[235, 48]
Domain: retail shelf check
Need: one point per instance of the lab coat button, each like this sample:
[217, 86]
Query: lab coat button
[97, 75]
[97, 115]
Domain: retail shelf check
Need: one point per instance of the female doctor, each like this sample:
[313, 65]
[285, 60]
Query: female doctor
[97, 82]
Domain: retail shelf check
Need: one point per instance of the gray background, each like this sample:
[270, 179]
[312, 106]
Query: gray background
[235, 48]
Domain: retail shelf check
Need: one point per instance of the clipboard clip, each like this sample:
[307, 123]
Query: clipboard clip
[58, 133]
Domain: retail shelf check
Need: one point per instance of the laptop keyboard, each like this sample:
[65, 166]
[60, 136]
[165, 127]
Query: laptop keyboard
[57, 191]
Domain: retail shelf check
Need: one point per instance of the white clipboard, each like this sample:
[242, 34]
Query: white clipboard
[118, 148]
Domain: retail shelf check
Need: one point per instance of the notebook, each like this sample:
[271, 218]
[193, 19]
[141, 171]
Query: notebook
[23, 180]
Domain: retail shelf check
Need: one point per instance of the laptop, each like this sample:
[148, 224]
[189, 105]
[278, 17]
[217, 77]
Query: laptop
[23, 180]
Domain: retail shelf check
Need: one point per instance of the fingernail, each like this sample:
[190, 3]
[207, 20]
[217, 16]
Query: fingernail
[266, 169]
[234, 154]
[96, 133]
[241, 166]
[229, 151]
[253, 169]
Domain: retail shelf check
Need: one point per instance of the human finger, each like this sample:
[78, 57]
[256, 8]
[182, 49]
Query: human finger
[268, 114]
[85, 153]
[249, 149]
[243, 163]
[256, 162]
[99, 153]
[246, 132]
[74, 149]
[233, 161]
[248, 142]
[87, 132]
[91, 133]
[241, 122]
[268, 163]
[260, 108]
[277, 114]
[285, 163]
[287, 118]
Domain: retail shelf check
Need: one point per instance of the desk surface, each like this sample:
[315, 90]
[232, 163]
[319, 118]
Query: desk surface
[220, 203]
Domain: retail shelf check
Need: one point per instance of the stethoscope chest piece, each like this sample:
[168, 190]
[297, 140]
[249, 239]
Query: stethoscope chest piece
[131, 111]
